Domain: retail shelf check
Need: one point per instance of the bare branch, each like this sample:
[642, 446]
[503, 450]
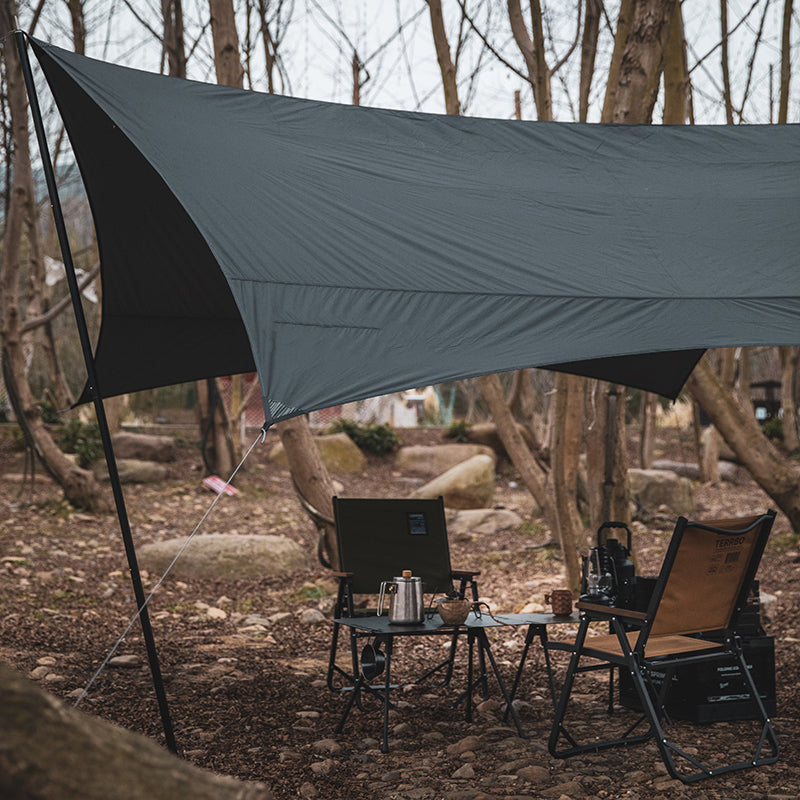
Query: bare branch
[54, 311]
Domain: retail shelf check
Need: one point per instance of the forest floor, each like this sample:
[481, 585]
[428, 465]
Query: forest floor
[254, 704]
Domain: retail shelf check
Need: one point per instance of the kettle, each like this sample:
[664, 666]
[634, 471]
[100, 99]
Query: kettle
[405, 599]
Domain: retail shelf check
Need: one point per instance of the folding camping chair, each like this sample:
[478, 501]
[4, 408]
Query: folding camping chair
[702, 588]
[378, 539]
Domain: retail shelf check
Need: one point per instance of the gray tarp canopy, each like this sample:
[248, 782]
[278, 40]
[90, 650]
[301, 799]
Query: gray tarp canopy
[347, 252]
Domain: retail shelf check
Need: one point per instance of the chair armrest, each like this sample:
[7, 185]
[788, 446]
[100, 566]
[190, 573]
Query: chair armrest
[342, 575]
[611, 611]
[464, 573]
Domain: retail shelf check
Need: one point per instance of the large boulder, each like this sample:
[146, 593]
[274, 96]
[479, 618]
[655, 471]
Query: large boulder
[728, 471]
[469, 484]
[338, 452]
[422, 460]
[485, 433]
[653, 489]
[132, 470]
[143, 447]
[463, 525]
[225, 556]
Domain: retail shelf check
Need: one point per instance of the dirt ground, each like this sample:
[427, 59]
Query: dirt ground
[254, 704]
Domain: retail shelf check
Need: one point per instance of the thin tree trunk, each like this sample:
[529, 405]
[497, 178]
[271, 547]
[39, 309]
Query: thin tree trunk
[726, 75]
[79, 485]
[311, 478]
[773, 472]
[52, 751]
[647, 442]
[565, 451]
[676, 72]
[624, 22]
[531, 46]
[591, 30]
[519, 453]
[786, 62]
[446, 66]
[790, 358]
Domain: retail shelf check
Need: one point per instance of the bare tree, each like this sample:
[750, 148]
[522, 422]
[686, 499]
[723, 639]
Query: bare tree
[79, 485]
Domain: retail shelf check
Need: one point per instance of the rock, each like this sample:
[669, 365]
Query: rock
[143, 447]
[727, 470]
[329, 746]
[470, 742]
[129, 661]
[132, 470]
[486, 433]
[311, 616]
[654, 488]
[216, 613]
[225, 556]
[338, 452]
[467, 771]
[435, 460]
[768, 605]
[467, 485]
[464, 524]
[535, 773]
[308, 791]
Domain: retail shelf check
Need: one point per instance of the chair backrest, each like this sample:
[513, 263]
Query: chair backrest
[707, 573]
[379, 538]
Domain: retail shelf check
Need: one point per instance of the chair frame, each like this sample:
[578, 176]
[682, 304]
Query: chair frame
[345, 606]
[624, 647]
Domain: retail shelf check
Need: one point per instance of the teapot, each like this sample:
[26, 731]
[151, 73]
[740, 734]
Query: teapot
[405, 599]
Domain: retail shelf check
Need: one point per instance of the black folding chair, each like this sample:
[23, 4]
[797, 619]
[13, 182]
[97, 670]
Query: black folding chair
[378, 539]
[701, 590]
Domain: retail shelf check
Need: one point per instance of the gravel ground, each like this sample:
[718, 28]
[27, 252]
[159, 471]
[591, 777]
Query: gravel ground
[245, 667]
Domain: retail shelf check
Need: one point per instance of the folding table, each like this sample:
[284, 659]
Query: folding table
[475, 628]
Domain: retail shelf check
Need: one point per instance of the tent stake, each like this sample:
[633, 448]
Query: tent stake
[99, 408]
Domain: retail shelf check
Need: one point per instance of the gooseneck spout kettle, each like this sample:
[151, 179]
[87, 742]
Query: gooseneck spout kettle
[405, 599]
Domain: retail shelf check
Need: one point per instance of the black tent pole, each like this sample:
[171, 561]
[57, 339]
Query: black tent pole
[99, 408]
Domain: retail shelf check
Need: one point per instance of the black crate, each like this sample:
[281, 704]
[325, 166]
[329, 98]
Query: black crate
[715, 691]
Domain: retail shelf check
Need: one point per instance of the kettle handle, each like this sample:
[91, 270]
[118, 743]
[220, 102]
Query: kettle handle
[382, 594]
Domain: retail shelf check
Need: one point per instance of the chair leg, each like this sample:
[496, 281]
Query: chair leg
[559, 729]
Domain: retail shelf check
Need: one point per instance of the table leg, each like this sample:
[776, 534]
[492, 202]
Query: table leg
[386, 703]
[483, 643]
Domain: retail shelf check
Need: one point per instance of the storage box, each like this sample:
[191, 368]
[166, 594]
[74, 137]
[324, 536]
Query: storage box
[715, 691]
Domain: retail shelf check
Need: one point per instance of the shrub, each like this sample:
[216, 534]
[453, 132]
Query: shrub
[459, 431]
[376, 439]
[773, 428]
[83, 440]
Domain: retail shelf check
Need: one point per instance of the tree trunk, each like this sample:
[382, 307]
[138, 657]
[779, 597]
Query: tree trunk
[565, 451]
[676, 73]
[624, 22]
[726, 75]
[591, 30]
[52, 751]
[773, 472]
[647, 441]
[519, 453]
[79, 485]
[446, 66]
[642, 61]
[311, 478]
[227, 63]
[786, 62]
[790, 357]
[532, 47]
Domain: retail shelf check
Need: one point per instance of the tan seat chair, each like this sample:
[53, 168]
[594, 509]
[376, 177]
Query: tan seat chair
[700, 591]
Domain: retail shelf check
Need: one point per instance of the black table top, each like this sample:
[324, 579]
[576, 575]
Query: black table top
[433, 623]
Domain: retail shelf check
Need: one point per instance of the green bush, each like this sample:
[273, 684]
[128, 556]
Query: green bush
[49, 413]
[459, 431]
[773, 428]
[376, 439]
[83, 440]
